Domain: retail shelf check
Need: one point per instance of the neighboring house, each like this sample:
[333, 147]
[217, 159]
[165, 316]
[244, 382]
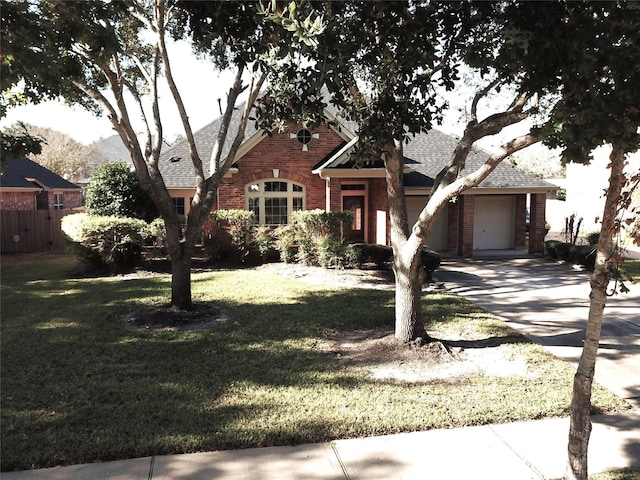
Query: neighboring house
[301, 169]
[33, 199]
[586, 187]
[26, 185]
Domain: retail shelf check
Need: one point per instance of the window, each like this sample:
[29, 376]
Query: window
[58, 201]
[272, 201]
[178, 204]
[304, 136]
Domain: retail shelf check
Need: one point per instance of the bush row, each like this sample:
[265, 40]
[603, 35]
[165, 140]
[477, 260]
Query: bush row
[107, 241]
[584, 255]
[313, 237]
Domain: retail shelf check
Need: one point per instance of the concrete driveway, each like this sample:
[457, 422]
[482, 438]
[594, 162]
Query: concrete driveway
[549, 302]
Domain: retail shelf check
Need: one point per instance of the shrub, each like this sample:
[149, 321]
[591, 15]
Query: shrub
[584, 255]
[352, 258]
[285, 243]
[562, 250]
[102, 241]
[373, 253]
[329, 251]
[592, 238]
[314, 237]
[263, 240]
[430, 260]
[114, 190]
[237, 224]
[550, 248]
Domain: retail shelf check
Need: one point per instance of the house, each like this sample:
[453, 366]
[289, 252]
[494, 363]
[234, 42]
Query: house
[26, 185]
[33, 199]
[276, 174]
[586, 187]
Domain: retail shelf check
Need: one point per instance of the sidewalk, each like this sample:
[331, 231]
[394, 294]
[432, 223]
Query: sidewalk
[515, 451]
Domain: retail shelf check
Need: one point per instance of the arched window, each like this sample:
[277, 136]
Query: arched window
[272, 201]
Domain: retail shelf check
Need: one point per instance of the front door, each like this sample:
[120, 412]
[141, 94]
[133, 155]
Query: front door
[356, 205]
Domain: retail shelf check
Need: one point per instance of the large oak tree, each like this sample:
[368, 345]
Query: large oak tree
[386, 66]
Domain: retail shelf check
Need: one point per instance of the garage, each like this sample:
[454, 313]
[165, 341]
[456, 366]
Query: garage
[438, 238]
[493, 224]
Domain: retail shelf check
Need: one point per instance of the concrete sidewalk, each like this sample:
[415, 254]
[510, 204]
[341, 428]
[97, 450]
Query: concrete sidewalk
[523, 450]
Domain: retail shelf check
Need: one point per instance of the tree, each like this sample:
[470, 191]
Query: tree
[114, 190]
[28, 72]
[386, 64]
[18, 143]
[599, 106]
[110, 56]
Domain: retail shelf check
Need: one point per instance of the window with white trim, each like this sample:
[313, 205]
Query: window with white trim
[58, 201]
[272, 201]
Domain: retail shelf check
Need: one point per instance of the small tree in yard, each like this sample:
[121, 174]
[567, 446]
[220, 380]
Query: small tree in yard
[114, 190]
[109, 57]
[600, 103]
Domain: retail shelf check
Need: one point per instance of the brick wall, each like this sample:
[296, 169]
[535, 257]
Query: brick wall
[284, 154]
[17, 201]
[465, 225]
[537, 222]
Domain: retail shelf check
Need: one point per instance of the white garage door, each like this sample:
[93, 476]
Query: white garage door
[493, 225]
[438, 238]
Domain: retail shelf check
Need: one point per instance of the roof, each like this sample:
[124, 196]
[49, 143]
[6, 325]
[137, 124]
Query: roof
[26, 174]
[175, 162]
[425, 155]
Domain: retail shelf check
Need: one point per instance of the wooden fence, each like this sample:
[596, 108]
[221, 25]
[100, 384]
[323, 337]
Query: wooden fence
[27, 231]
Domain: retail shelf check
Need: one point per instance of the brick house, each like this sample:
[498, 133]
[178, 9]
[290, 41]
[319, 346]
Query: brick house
[302, 169]
[33, 199]
[26, 185]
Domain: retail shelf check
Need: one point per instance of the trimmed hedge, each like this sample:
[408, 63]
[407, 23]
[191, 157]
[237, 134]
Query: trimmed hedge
[106, 241]
[381, 255]
[584, 255]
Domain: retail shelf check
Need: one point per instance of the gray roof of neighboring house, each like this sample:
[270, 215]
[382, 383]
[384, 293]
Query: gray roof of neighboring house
[18, 173]
[425, 155]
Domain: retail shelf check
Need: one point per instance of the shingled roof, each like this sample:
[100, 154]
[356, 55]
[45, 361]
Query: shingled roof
[425, 155]
[26, 174]
[175, 162]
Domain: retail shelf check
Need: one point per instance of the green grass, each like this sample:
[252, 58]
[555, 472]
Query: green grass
[632, 268]
[77, 386]
[627, 474]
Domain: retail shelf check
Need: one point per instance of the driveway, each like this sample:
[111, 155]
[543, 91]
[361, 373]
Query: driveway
[549, 302]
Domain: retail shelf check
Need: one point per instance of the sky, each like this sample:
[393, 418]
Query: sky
[200, 85]
[198, 82]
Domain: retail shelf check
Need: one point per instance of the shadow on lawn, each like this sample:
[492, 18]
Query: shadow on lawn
[79, 387]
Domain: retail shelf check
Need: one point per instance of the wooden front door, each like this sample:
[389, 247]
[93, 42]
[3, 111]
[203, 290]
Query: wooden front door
[356, 205]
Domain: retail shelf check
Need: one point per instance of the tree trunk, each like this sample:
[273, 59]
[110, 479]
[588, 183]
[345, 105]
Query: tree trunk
[407, 264]
[580, 423]
[409, 276]
[181, 282]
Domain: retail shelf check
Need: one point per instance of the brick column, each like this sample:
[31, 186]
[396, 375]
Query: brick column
[521, 221]
[465, 225]
[537, 222]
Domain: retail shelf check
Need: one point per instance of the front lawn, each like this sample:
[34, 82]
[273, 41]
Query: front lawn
[80, 385]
